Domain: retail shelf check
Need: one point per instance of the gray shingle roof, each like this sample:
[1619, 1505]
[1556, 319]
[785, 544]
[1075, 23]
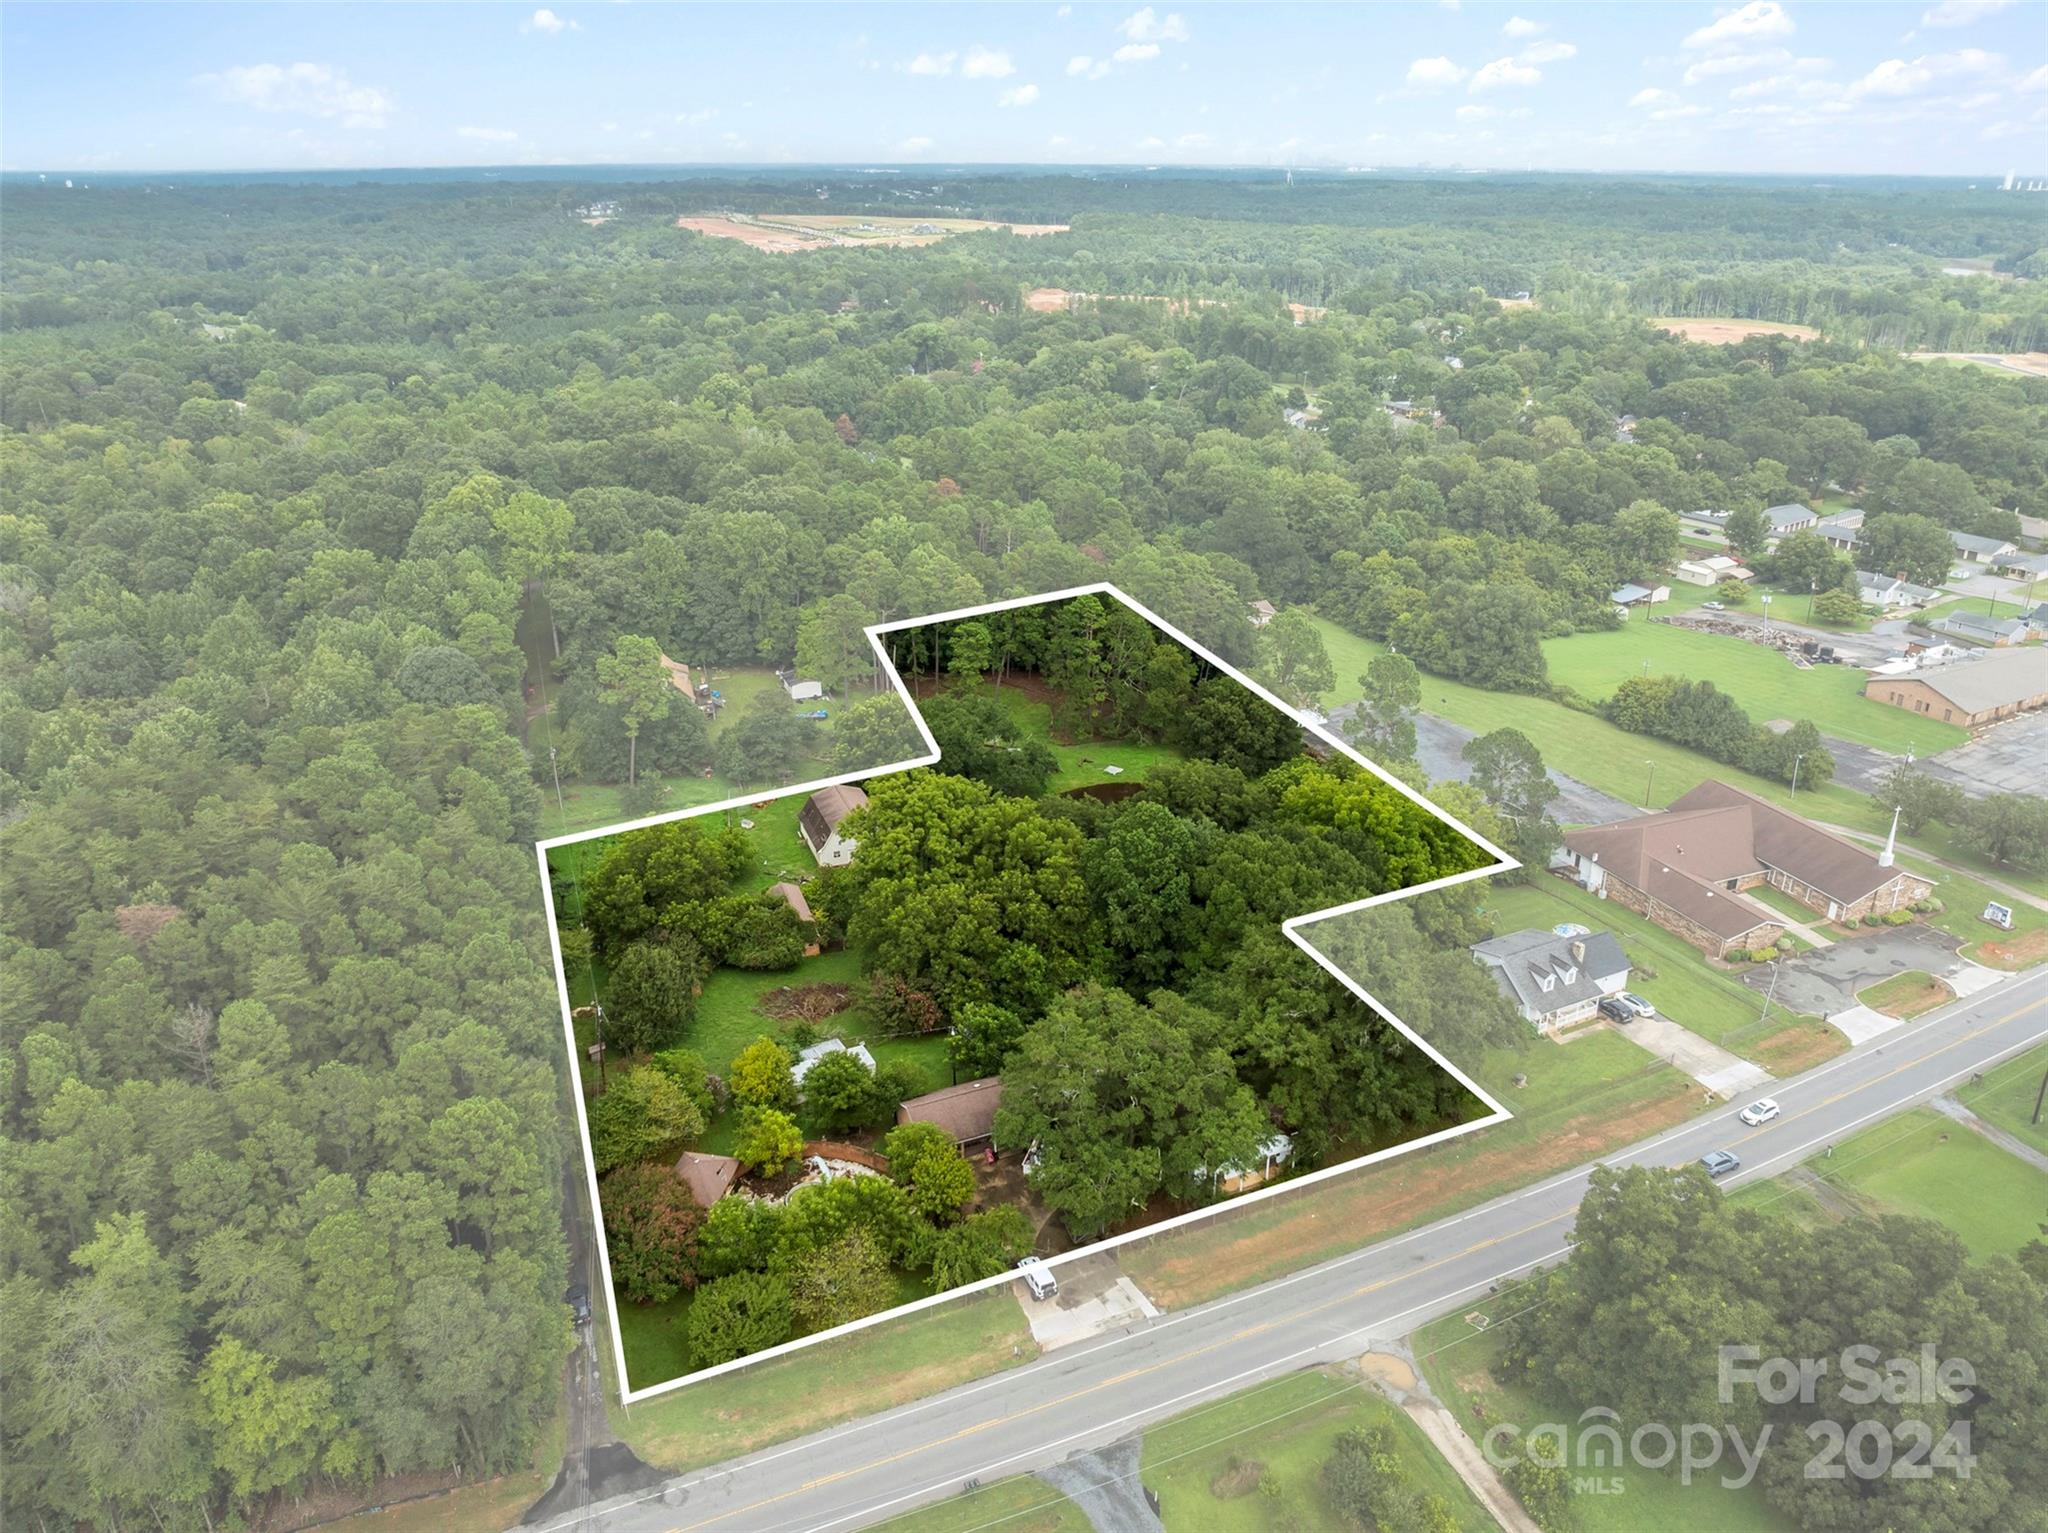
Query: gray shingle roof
[1524, 961]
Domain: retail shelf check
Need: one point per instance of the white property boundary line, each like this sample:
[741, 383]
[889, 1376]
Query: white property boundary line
[1292, 928]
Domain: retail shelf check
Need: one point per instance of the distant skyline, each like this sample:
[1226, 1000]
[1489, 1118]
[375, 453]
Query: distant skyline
[1952, 87]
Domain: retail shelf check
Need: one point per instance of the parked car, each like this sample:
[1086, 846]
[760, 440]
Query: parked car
[1642, 1007]
[1615, 1009]
[1715, 606]
[578, 1300]
[1719, 1163]
[1759, 1112]
[1038, 1278]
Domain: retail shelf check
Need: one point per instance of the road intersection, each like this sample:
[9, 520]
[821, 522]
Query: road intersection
[1090, 1396]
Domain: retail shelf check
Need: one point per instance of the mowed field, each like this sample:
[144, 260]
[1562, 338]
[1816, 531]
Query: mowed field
[1637, 768]
[1766, 683]
[787, 233]
[1726, 332]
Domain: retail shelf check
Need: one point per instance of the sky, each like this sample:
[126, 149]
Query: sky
[1951, 87]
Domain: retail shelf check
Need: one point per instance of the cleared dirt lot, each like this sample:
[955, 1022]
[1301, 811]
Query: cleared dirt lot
[1726, 332]
[787, 233]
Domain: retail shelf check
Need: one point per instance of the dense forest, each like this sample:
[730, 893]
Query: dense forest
[284, 466]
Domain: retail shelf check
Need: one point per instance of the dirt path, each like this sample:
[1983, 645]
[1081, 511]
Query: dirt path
[1463, 1455]
[1949, 1107]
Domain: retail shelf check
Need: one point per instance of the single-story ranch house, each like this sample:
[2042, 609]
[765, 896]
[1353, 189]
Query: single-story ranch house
[1686, 869]
[966, 1111]
[1971, 692]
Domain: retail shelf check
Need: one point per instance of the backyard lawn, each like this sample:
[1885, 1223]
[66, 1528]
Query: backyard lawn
[1458, 1360]
[1080, 765]
[1211, 1466]
[1925, 1164]
[1634, 768]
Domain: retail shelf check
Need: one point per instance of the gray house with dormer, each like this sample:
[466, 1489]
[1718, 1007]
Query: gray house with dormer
[1555, 979]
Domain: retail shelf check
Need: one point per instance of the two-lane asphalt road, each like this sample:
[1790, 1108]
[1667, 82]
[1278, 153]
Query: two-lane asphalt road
[1092, 1394]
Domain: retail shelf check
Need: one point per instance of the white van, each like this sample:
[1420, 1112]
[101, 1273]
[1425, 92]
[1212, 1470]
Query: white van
[1038, 1278]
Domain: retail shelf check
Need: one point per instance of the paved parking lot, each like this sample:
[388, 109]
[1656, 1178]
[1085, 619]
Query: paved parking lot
[1825, 981]
[2008, 757]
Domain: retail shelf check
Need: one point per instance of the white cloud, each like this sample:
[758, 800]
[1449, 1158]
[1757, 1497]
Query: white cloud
[1058, 141]
[1018, 95]
[1897, 77]
[547, 21]
[932, 64]
[1547, 53]
[1759, 18]
[1434, 74]
[1960, 13]
[2038, 80]
[1192, 141]
[1151, 141]
[702, 114]
[1147, 26]
[1136, 53]
[1737, 64]
[1505, 72]
[987, 64]
[488, 135]
[1521, 26]
[304, 90]
[1476, 113]
[1650, 95]
[915, 145]
[1062, 14]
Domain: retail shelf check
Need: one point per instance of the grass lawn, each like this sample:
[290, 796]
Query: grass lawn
[1288, 1428]
[1925, 1164]
[1763, 681]
[1962, 915]
[852, 1376]
[1024, 1504]
[2008, 1095]
[656, 1347]
[1634, 768]
[1457, 1361]
[1080, 765]
[2003, 606]
[1668, 970]
[1906, 995]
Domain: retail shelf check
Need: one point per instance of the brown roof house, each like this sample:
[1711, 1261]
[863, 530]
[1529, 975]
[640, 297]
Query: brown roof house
[966, 1111]
[818, 823]
[793, 896]
[709, 1177]
[1686, 869]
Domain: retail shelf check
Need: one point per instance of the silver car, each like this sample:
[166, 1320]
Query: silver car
[1759, 1112]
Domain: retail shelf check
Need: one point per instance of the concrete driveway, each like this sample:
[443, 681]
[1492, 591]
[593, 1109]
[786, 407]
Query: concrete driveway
[1824, 982]
[1712, 1066]
[1094, 1297]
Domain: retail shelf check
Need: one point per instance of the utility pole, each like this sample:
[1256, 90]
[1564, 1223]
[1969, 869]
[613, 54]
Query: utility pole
[2040, 1097]
[1795, 772]
[1770, 993]
[1650, 784]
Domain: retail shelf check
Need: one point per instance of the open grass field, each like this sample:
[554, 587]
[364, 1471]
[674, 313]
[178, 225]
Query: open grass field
[2028, 364]
[1763, 681]
[1924, 1164]
[1081, 765]
[1634, 768]
[2008, 1095]
[1458, 1360]
[1726, 332]
[1287, 1428]
[824, 1385]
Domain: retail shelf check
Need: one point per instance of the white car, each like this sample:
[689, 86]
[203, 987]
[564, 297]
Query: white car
[1637, 1004]
[1038, 1278]
[1715, 606]
[1759, 1112]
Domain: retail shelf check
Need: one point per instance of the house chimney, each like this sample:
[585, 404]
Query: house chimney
[1578, 950]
